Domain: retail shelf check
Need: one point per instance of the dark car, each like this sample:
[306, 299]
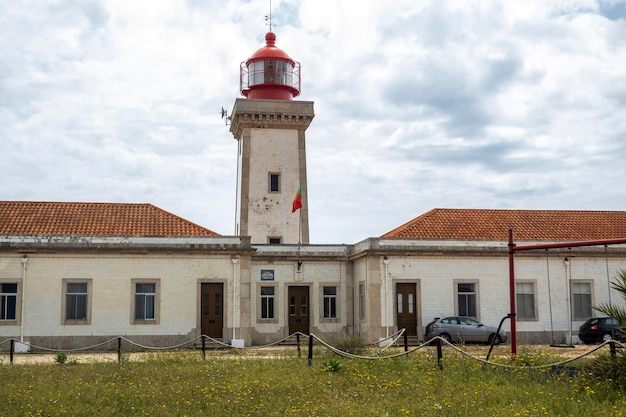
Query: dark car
[463, 329]
[601, 329]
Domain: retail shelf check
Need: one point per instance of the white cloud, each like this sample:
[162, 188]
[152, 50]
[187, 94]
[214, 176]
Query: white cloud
[418, 104]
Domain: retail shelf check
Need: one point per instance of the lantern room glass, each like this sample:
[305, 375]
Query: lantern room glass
[270, 71]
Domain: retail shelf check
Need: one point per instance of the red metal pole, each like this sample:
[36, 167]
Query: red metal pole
[603, 242]
[512, 294]
[514, 248]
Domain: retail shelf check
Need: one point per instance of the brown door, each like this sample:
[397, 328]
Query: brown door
[298, 310]
[212, 307]
[405, 308]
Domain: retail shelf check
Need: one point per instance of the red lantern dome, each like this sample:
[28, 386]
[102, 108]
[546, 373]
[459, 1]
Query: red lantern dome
[270, 74]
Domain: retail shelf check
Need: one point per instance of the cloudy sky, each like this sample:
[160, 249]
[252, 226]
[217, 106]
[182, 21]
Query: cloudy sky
[419, 104]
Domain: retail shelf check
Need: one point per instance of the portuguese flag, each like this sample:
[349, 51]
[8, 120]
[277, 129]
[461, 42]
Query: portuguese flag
[297, 201]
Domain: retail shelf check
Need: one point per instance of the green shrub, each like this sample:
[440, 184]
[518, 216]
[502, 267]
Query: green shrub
[61, 358]
[353, 345]
[333, 365]
[610, 367]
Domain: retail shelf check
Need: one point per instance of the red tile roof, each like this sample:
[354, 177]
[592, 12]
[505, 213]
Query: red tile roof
[94, 219]
[528, 225]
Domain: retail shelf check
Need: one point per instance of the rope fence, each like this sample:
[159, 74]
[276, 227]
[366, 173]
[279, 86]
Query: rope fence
[438, 342]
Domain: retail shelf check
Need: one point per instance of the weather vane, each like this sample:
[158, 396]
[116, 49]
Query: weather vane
[268, 18]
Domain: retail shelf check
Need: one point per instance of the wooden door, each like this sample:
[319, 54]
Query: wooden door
[406, 311]
[298, 310]
[212, 309]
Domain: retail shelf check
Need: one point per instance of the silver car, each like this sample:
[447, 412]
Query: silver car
[463, 329]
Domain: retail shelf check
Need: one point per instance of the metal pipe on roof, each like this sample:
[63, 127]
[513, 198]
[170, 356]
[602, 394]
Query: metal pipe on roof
[516, 248]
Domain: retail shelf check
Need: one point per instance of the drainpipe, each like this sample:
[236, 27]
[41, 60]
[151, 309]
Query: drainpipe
[568, 278]
[24, 261]
[386, 262]
[235, 261]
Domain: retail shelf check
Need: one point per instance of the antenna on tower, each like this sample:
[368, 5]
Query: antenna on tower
[225, 116]
[268, 18]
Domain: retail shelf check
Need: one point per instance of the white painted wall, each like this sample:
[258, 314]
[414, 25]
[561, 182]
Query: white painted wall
[111, 277]
[273, 150]
[437, 275]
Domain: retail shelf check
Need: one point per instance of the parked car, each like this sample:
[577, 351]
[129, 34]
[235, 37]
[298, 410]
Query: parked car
[601, 329]
[463, 329]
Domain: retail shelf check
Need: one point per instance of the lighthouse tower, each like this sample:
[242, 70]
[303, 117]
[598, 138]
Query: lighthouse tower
[269, 127]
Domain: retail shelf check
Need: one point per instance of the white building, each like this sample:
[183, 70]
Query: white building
[76, 274]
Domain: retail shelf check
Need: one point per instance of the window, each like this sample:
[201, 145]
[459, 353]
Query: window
[409, 301]
[77, 305]
[330, 302]
[450, 320]
[8, 301]
[267, 302]
[270, 71]
[581, 300]
[145, 301]
[467, 299]
[274, 240]
[525, 299]
[256, 72]
[274, 182]
[362, 301]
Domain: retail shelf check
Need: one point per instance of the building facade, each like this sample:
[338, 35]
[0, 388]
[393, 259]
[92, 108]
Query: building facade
[108, 269]
[77, 274]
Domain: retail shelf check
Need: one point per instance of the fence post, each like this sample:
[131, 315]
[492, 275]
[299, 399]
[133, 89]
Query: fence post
[298, 342]
[119, 350]
[406, 342]
[613, 350]
[11, 350]
[310, 349]
[203, 347]
[439, 354]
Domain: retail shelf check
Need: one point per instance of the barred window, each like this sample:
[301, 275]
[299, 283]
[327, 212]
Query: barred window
[362, 301]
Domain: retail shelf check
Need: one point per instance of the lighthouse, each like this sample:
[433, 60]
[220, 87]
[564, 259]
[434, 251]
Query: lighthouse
[269, 126]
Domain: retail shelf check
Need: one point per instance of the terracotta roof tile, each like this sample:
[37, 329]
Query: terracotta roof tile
[528, 225]
[95, 219]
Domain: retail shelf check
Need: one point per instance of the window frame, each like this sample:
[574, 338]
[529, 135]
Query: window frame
[476, 294]
[535, 315]
[574, 282]
[260, 286]
[333, 301]
[270, 183]
[18, 302]
[157, 300]
[64, 308]
[361, 296]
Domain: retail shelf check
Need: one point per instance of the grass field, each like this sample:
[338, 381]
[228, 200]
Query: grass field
[183, 384]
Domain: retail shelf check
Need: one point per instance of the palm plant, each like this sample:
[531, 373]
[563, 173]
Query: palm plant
[612, 367]
[619, 284]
